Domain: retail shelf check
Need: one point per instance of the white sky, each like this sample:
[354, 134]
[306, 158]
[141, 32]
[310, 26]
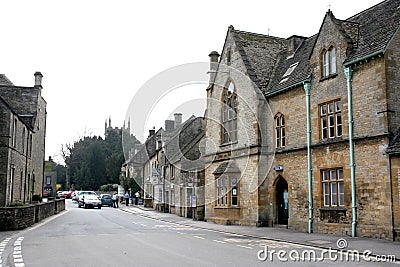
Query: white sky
[95, 54]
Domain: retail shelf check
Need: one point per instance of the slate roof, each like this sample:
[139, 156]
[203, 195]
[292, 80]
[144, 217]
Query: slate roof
[369, 32]
[259, 53]
[377, 26]
[5, 81]
[227, 167]
[300, 73]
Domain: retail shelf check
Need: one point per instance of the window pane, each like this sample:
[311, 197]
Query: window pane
[325, 175]
[323, 109]
[338, 106]
[277, 122]
[341, 193]
[333, 175]
[282, 120]
[326, 194]
[326, 64]
[331, 126]
[330, 108]
[340, 174]
[333, 60]
[339, 124]
[333, 194]
[324, 128]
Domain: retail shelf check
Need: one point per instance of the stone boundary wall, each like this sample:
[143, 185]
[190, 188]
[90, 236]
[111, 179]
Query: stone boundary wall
[17, 218]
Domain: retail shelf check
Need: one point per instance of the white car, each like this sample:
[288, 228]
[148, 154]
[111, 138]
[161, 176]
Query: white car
[89, 201]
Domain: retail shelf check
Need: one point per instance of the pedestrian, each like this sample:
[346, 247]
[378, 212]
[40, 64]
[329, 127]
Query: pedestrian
[137, 195]
[115, 200]
[127, 198]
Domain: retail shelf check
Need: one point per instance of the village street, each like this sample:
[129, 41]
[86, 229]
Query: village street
[128, 237]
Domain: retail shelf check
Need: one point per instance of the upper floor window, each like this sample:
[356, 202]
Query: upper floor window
[331, 119]
[280, 130]
[228, 56]
[329, 62]
[333, 187]
[229, 115]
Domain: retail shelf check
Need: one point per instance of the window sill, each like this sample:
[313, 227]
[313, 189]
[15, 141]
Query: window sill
[333, 209]
[330, 76]
[228, 144]
[331, 140]
[226, 207]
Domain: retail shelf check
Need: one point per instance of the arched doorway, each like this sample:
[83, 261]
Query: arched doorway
[282, 201]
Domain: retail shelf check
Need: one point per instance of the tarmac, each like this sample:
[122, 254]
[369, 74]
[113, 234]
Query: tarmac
[375, 247]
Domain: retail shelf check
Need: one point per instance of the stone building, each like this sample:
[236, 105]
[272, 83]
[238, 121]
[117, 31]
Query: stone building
[169, 168]
[50, 178]
[22, 140]
[316, 154]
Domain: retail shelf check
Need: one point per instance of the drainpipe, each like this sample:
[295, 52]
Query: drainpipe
[307, 87]
[349, 73]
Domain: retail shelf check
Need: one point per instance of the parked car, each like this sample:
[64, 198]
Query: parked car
[75, 195]
[67, 194]
[89, 201]
[60, 194]
[106, 200]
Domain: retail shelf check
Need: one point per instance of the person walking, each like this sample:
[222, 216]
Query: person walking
[127, 198]
[115, 200]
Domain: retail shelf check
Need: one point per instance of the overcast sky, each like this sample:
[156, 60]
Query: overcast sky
[94, 55]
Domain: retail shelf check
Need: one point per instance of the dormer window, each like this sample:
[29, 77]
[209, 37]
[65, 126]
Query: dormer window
[329, 62]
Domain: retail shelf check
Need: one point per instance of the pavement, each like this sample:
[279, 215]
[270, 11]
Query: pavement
[376, 247]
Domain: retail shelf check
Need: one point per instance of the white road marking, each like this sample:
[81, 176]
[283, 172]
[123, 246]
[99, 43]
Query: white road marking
[3, 244]
[199, 237]
[219, 241]
[17, 253]
[244, 247]
[143, 225]
[134, 222]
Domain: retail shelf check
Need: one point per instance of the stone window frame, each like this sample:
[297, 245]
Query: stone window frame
[229, 109]
[330, 119]
[332, 183]
[280, 130]
[328, 62]
[14, 133]
[227, 193]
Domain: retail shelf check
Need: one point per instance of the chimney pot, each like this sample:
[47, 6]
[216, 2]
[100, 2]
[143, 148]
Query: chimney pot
[178, 119]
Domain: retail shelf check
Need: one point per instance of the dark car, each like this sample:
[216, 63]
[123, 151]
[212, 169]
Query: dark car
[106, 200]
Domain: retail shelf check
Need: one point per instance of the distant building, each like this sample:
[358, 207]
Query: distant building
[50, 178]
[22, 140]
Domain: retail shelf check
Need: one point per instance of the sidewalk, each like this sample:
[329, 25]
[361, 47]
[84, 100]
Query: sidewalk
[325, 241]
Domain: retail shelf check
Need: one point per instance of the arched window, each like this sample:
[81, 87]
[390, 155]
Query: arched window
[229, 115]
[280, 132]
[329, 62]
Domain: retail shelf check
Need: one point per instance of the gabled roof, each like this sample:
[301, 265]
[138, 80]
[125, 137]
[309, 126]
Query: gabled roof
[259, 53]
[23, 119]
[377, 26]
[369, 32]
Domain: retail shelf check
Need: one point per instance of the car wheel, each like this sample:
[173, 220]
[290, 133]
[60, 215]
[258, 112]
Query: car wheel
[99, 207]
[85, 206]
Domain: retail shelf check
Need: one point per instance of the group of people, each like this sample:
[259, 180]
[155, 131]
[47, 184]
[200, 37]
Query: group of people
[115, 199]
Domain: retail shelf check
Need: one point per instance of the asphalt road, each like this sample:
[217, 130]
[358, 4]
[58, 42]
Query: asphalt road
[111, 237]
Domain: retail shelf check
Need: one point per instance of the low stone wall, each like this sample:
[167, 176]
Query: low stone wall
[17, 218]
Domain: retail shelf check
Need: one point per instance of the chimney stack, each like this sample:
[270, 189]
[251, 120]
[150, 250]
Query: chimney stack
[178, 119]
[169, 125]
[152, 132]
[38, 79]
[214, 56]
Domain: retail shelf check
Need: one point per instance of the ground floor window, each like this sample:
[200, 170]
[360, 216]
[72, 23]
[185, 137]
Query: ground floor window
[227, 191]
[333, 187]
